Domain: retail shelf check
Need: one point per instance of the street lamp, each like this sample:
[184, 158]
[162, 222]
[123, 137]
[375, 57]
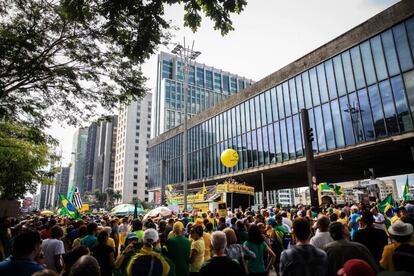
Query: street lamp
[186, 55]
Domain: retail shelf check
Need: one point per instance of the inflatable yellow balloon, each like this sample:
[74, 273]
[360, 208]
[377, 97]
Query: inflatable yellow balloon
[229, 158]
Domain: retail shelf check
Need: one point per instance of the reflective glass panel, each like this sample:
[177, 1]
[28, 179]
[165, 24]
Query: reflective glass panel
[290, 138]
[272, 150]
[349, 76]
[357, 65]
[278, 146]
[253, 116]
[265, 138]
[330, 76]
[247, 110]
[293, 99]
[280, 101]
[327, 118]
[336, 118]
[283, 139]
[314, 86]
[339, 75]
[299, 90]
[368, 63]
[377, 113]
[286, 99]
[268, 107]
[320, 132]
[260, 152]
[390, 53]
[409, 24]
[378, 55]
[346, 120]
[364, 106]
[323, 89]
[262, 107]
[298, 135]
[403, 50]
[404, 119]
[355, 112]
[306, 90]
[254, 148]
[389, 108]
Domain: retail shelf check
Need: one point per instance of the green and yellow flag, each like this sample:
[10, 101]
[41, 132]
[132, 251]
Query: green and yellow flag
[324, 186]
[406, 195]
[68, 208]
[386, 207]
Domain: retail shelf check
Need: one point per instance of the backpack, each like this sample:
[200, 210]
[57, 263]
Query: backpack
[403, 258]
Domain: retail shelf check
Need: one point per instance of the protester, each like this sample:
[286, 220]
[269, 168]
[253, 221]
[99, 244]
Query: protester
[303, 258]
[257, 245]
[82, 232]
[71, 257]
[178, 250]
[379, 219]
[373, 238]
[322, 236]
[104, 254]
[221, 264]
[148, 262]
[353, 220]
[401, 234]
[234, 250]
[53, 249]
[5, 239]
[356, 267]
[86, 266]
[25, 249]
[90, 240]
[197, 249]
[128, 251]
[341, 249]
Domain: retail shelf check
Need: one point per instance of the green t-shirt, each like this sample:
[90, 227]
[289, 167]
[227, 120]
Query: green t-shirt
[178, 251]
[256, 265]
[89, 241]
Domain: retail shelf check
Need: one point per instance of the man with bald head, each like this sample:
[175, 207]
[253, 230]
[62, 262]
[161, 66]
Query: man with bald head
[220, 264]
[85, 266]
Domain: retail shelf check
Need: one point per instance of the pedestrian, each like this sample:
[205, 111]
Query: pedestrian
[356, 267]
[255, 243]
[234, 250]
[401, 234]
[373, 238]
[197, 249]
[341, 249]
[322, 236]
[53, 249]
[104, 254]
[353, 220]
[86, 266]
[303, 258]
[71, 258]
[148, 262]
[25, 249]
[90, 240]
[82, 232]
[220, 264]
[178, 250]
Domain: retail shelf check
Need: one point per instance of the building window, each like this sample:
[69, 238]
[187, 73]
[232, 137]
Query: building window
[135, 169]
[134, 192]
[135, 176]
[136, 155]
[135, 184]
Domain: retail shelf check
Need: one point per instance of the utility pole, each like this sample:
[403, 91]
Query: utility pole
[310, 162]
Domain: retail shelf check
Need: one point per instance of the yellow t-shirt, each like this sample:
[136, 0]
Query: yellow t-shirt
[111, 242]
[207, 246]
[343, 221]
[386, 260]
[198, 246]
[76, 242]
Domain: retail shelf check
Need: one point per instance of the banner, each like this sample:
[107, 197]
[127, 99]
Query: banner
[235, 188]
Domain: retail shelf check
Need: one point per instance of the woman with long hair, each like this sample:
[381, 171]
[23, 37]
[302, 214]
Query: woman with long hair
[255, 243]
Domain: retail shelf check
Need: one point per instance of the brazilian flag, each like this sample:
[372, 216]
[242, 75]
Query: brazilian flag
[386, 207]
[68, 207]
[406, 195]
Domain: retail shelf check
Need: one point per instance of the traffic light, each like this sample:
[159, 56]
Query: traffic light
[309, 134]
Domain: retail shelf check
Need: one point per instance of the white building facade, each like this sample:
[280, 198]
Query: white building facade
[131, 157]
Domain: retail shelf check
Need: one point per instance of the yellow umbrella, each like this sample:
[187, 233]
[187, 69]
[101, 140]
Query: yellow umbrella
[46, 213]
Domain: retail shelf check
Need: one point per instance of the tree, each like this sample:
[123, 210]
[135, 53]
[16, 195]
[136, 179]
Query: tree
[111, 197]
[61, 59]
[24, 157]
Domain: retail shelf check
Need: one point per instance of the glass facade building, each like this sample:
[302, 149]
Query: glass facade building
[361, 94]
[206, 87]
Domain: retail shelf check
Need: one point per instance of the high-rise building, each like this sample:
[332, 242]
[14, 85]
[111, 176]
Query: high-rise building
[62, 185]
[131, 158]
[77, 169]
[91, 156]
[206, 87]
[103, 173]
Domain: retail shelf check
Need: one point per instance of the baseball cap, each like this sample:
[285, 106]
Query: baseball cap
[131, 236]
[178, 226]
[356, 267]
[150, 236]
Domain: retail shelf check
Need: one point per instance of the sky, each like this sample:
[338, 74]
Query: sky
[268, 35]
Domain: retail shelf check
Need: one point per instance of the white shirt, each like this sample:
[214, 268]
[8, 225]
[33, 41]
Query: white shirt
[321, 239]
[51, 248]
[379, 218]
[287, 221]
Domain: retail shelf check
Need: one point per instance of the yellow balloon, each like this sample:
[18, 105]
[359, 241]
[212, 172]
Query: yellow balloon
[229, 158]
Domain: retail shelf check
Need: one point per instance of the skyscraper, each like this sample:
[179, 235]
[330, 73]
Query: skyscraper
[77, 170]
[91, 156]
[207, 87]
[131, 158]
[103, 173]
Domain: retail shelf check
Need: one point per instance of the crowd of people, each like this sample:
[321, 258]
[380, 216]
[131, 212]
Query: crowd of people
[351, 240]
